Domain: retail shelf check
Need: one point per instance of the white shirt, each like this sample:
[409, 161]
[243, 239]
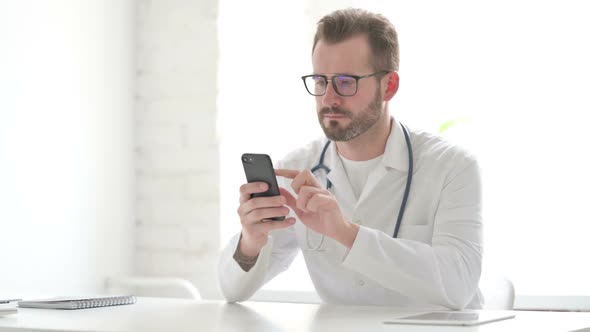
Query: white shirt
[434, 262]
[358, 172]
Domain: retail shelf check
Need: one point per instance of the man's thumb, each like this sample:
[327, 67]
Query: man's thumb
[291, 200]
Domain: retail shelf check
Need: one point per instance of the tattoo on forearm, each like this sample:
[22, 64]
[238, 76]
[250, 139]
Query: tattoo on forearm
[245, 262]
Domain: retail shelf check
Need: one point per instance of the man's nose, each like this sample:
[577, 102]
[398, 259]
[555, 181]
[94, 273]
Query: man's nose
[331, 98]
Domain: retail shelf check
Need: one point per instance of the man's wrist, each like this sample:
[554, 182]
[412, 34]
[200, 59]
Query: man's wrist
[248, 247]
[247, 259]
[348, 234]
[244, 261]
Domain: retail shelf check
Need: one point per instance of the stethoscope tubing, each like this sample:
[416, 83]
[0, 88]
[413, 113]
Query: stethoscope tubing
[402, 208]
[322, 166]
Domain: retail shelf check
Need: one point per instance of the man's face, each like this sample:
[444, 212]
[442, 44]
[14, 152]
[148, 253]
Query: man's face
[344, 118]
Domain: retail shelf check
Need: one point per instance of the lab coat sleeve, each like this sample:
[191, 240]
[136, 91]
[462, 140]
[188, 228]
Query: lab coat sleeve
[275, 257]
[445, 273]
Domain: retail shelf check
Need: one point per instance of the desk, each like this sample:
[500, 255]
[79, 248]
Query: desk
[153, 314]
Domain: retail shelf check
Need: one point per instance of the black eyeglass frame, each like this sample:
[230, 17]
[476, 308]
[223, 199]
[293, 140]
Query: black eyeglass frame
[331, 79]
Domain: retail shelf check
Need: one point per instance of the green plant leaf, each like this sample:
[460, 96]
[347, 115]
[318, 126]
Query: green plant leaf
[446, 126]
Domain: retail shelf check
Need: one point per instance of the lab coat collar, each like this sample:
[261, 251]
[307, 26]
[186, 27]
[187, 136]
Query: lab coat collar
[394, 157]
[396, 149]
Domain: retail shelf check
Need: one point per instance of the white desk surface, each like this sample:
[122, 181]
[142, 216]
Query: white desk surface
[153, 314]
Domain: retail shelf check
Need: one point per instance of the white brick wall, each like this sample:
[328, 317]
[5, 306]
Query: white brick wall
[177, 147]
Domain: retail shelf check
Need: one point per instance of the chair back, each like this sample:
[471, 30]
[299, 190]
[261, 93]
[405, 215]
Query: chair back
[498, 292]
[153, 287]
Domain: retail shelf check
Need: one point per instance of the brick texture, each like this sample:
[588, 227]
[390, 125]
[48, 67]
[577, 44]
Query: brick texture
[177, 147]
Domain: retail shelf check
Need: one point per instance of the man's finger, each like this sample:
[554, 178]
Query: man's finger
[267, 213]
[318, 201]
[288, 173]
[291, 201]
[305, 194]
[305, 178]
[247, 189]
[271, 225]
[262, 202]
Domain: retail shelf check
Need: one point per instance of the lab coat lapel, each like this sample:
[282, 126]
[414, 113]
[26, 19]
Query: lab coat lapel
[395, 159]
[374, 178]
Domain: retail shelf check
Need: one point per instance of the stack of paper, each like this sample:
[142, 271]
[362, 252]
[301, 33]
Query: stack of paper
[8, 307]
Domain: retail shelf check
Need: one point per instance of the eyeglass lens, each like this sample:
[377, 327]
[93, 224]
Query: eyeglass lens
[344, 85]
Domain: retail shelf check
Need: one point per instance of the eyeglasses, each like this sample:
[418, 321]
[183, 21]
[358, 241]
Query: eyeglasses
[344, 85]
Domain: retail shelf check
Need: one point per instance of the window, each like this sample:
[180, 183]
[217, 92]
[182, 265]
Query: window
[511, 80]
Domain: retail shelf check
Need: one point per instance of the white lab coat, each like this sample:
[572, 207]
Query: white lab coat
[434, 262]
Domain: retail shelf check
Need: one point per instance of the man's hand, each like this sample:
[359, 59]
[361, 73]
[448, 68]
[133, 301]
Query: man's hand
[255, 214]
[316, 207]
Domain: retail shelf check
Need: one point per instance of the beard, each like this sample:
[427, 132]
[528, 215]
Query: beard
[359, 123]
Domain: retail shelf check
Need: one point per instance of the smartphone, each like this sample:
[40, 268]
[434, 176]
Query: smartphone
[258, 168]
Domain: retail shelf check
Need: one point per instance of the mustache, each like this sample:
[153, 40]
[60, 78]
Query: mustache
[335, 110]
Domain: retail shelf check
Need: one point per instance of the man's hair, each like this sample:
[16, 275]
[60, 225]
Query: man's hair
[346, 23]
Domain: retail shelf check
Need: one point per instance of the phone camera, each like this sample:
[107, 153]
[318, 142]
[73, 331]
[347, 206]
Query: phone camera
[247, 159]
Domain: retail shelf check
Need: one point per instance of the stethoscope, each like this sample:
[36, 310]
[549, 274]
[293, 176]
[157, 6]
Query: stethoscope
[400, 215]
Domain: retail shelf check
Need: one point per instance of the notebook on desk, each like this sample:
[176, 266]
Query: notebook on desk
[453, 318]
[77, 302]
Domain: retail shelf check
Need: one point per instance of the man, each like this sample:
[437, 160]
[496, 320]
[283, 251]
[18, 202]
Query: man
[345, 223]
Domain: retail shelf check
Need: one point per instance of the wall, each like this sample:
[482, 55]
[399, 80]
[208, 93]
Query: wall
[177, 146]
[66, 145]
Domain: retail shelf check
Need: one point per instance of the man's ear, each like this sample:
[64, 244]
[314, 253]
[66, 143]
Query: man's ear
[392, 85]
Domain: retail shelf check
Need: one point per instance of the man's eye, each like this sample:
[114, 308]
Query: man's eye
[346, 82]
[320, 82]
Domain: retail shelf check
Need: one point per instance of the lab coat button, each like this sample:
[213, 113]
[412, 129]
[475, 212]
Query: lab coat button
[361, 282]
